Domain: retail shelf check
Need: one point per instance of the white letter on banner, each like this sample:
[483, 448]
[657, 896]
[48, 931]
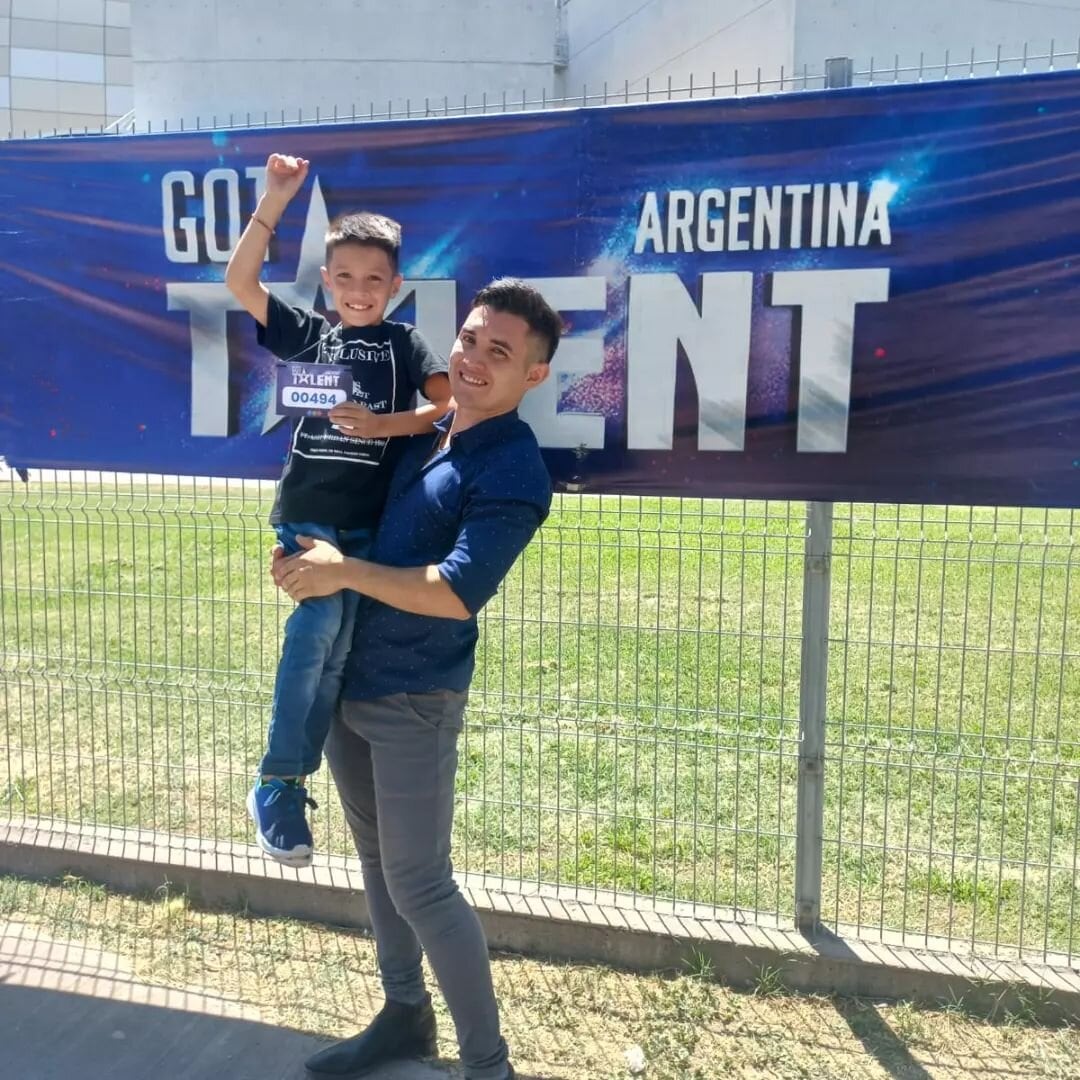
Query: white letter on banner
[580, 354]
[716, 341]
[680, 220]
[737, 218]
[798, 193]
[208, 302]
[827, 299]
[768, 215]
[170, 219]
[710, 231]
[843, 208]
[232, 192]
[876, 217]
[649, 229]
[817, 215]
[258, 174]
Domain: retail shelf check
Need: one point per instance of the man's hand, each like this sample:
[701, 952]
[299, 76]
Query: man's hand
[315, 571]
[358, 420]
[285, 176]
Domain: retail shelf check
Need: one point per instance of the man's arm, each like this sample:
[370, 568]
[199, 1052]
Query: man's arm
[493, 533]
[284, 178]
[358, 420]
[322, 570]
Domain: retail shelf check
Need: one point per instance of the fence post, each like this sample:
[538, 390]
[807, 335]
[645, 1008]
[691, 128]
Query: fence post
[813, 680]
[814, 671]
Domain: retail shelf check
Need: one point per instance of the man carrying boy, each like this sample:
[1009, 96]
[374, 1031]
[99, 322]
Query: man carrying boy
[462, 506]
[336, 475]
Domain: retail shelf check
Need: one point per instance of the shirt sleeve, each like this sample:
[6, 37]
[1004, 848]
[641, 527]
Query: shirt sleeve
[291, 333]
[421, 360]
[494, 532]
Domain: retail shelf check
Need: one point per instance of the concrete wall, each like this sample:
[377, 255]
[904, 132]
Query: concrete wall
[63, 64]
[73, 62]
[620, 40]
[882, 29]
[203, 57]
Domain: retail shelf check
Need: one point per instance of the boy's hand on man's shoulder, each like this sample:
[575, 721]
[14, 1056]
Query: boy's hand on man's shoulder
[285, 176]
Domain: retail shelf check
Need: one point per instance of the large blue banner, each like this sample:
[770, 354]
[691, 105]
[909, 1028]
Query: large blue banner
[860, 294]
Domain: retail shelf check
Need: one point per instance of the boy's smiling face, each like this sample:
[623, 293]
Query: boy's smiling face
[362, 281]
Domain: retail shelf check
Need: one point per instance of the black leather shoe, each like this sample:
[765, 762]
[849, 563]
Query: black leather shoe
[398, 1031]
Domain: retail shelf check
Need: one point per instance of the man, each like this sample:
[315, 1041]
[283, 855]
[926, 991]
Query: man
[462, 506]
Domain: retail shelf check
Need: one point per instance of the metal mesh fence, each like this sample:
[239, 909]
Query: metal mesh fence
[632, 722]
[953, 738]
[633, 726]
[636, 704]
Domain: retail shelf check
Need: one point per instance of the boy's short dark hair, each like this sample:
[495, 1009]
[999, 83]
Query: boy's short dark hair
[515, 297]
[368, 229]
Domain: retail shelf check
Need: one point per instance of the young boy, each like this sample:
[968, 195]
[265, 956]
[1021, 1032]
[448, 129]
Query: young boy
[335, 478]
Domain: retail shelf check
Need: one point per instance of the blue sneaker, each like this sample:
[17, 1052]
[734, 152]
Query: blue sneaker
[281, 828]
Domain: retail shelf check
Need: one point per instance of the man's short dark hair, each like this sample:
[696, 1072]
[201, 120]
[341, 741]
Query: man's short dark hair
[367, 229]
[514, 297]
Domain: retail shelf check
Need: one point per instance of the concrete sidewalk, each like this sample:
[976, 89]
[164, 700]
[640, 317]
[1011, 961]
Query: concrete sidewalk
[71, 1011]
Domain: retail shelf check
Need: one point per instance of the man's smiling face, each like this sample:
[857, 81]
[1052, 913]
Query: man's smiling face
[494, 361]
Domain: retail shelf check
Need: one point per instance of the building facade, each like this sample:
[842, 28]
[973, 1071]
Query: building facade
[64, 64]
[631, 44]
[202, 59]
[86, 63]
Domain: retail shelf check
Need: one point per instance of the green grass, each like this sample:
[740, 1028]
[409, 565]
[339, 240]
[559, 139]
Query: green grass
[633, 723]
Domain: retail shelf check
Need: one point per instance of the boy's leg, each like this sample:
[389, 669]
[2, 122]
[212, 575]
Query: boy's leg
[412, 740]
[277, 802]
[355, 543]
[311, 632]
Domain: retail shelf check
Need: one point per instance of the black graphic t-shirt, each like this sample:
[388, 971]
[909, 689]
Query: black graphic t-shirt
[330, 477]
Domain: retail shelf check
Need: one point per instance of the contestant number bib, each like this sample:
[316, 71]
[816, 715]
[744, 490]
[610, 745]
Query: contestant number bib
[303, 389]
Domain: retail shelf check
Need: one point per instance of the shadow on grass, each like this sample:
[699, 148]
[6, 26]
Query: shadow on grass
[879, 1040]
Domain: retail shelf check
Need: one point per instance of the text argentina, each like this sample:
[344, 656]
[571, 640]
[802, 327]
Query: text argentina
[765, 218]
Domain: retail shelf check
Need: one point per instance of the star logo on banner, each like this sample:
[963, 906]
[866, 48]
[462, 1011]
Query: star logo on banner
[305, 289]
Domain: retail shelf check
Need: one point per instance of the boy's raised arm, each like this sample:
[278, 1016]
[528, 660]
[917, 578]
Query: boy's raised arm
[284, 177]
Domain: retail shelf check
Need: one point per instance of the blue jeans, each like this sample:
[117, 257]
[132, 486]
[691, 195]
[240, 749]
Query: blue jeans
[318, 636]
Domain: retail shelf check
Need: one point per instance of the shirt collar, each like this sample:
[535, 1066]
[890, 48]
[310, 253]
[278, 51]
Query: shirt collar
[490, 430]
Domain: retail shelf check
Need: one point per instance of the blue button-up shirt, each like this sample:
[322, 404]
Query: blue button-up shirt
[470, 510]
